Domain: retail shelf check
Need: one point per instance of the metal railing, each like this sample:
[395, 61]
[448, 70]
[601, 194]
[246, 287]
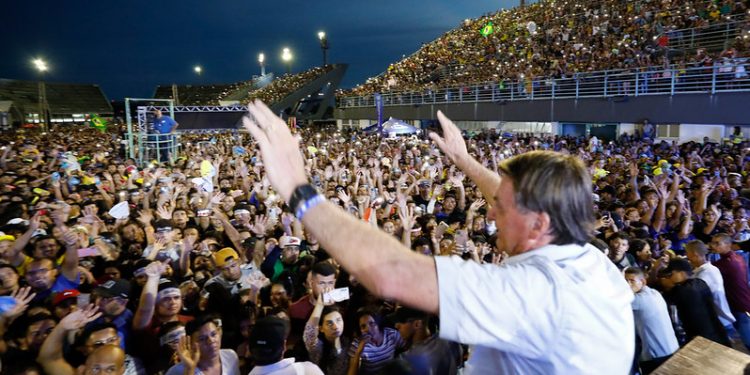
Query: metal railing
[712, 37]
[730, 77]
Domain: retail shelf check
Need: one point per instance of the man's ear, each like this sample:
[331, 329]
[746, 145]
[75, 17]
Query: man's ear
[540, 228]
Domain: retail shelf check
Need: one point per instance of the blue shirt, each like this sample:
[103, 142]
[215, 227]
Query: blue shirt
[122, 322]
[653, 325]
[164, 124]
[61, 284]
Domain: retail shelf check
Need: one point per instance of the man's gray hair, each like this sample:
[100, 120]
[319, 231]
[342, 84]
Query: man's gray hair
[698, 247]
[558, 185]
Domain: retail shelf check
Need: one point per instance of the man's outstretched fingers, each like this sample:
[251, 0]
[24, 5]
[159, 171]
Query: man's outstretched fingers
[254, 129]
[446, 123]
[267, 112]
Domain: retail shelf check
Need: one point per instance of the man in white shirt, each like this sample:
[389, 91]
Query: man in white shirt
[652, 322]
[555, 307]
[696, 252]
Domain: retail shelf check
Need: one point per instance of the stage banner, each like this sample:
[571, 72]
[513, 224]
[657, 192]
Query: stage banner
[379, 109]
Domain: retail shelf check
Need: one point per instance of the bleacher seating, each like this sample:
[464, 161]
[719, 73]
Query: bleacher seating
[242, 91]
[558, 39]
[287, 84]
[199, 94]
[62, 98]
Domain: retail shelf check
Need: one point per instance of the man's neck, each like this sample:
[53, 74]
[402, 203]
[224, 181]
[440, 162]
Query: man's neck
[210, 363]
[420, 337]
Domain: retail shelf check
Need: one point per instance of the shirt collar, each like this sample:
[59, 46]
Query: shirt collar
[552, 252]
[267, 369]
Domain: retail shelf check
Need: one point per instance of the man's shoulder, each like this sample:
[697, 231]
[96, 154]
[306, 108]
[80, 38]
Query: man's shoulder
[301, 308]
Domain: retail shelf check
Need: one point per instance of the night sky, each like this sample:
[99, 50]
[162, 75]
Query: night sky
[128, 47]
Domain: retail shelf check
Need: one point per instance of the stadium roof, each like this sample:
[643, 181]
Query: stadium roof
[62, 98]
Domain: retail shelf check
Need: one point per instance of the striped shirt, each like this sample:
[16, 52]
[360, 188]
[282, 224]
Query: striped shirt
[374, 357]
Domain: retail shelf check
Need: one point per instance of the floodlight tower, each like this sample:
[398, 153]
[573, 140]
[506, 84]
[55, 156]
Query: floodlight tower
[41, 67]
[286, 56]
[323, 46]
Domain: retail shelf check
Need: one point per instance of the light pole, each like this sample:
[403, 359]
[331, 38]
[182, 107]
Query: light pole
[323, 46]
[262, 62]
[198, 71]
[286, 56]
[41, 67]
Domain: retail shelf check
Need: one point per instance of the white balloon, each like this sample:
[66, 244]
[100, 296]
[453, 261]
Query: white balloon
[531, 26]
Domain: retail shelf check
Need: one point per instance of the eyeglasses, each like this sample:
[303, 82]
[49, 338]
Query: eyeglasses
[37, 271]
[107, 341]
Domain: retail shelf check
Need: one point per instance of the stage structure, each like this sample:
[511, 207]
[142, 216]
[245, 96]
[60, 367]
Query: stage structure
[143, 145]
[197, 118]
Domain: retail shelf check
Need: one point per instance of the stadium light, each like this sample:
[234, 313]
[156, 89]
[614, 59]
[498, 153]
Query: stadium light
[286, 56]
[198, 70]
[323, 46]
[262, 62]
[40, 65]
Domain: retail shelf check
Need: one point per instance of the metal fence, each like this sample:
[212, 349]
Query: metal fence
[713, 37]
[721, 77]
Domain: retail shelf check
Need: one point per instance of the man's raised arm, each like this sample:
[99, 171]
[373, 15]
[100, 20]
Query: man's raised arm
[376, 259]
[453, 145]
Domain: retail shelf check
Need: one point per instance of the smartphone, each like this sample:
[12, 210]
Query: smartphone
[462, 237]
[442, 227]
[605, 215]
[83, 299]
[203, 213]
[336, 295]
[88, 252]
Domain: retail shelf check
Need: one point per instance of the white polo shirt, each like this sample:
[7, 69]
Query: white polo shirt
[553, 310]
[712, 276]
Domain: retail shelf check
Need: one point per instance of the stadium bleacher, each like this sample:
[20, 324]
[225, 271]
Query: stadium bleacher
[62, 98]
[560, 38]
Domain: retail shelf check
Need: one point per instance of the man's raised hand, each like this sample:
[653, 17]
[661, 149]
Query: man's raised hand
[452, 142]
[278, 147]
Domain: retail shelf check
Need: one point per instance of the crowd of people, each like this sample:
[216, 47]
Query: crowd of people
[199, 266]
[242, 91]
[286, 84]
[559, 39]
[200, 94]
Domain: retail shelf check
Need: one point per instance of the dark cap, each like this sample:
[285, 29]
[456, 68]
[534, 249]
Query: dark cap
[268, 336]
[677, 264]
[114, 288]
[162, 225]
[406, 314]
[609, 189]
